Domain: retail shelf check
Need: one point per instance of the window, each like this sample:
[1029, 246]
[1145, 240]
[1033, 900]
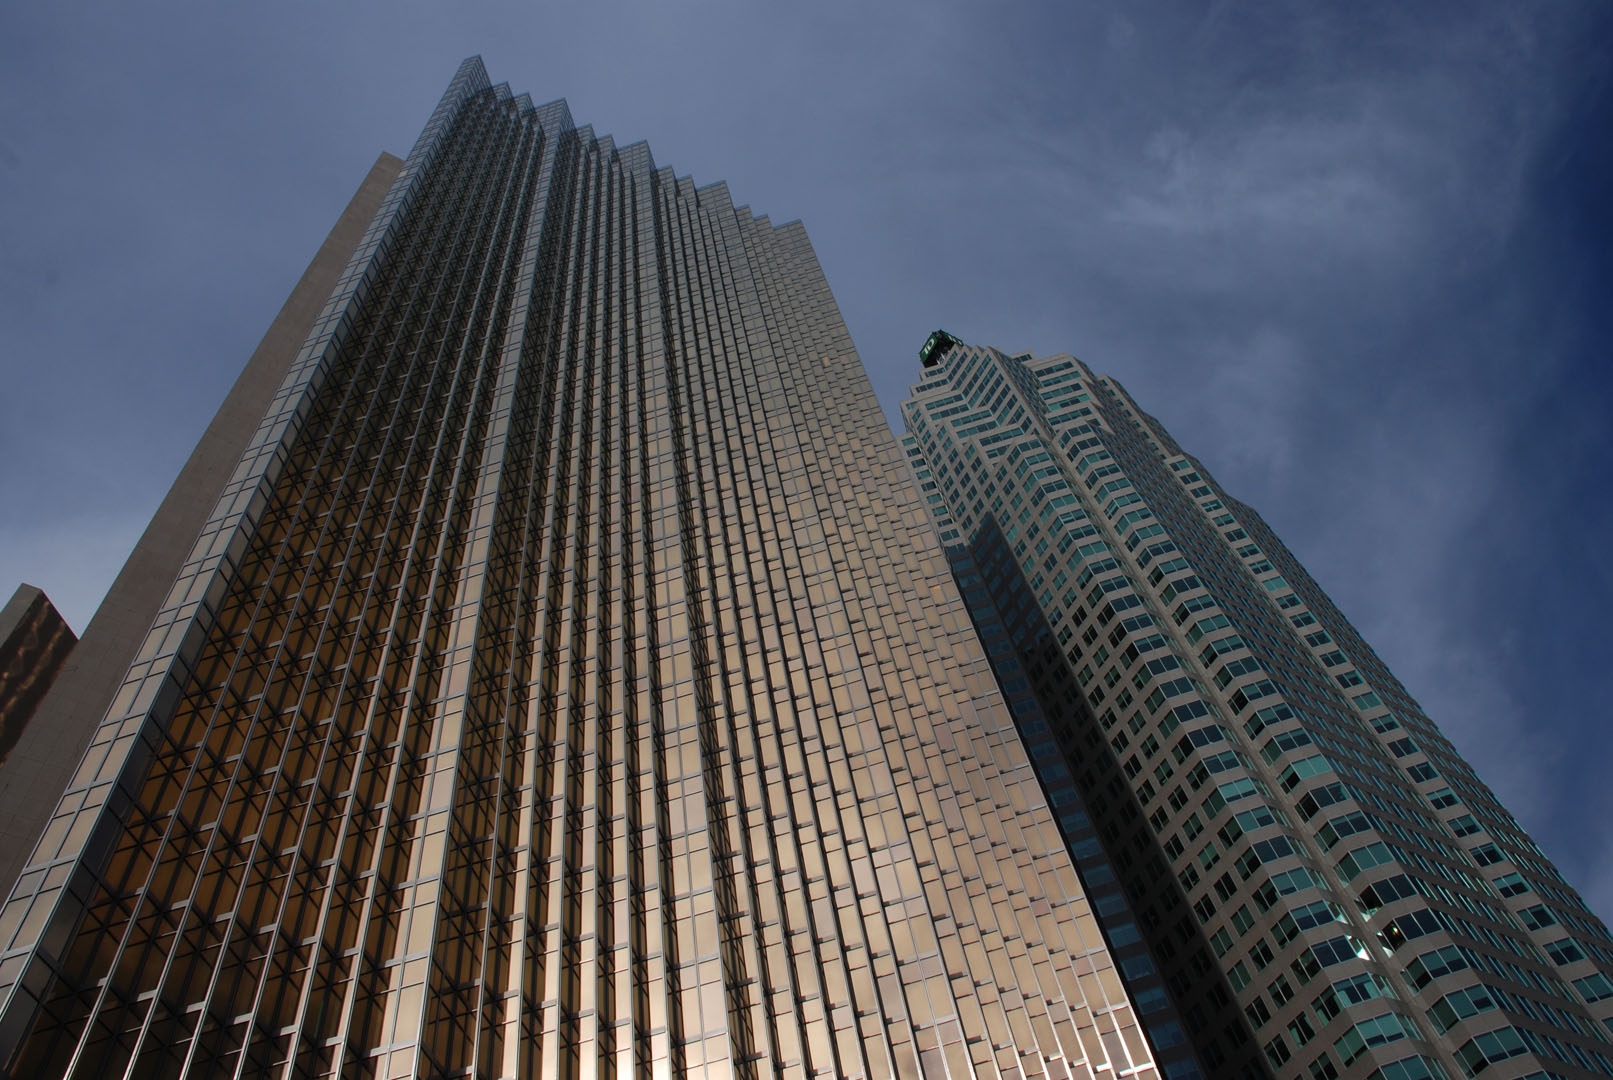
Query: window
[1437, 964]
[1233, 790]
[1242, 921]
[1263, 851]
[1537, 917]
[1442, 798]
[1305, 967]
[1220, 646]
[1235, 669]
[1511, 884]
[1478, 1054]
[1259, 817]
[1410, 926]
[1322, 796]
[1382, 893]
[1281, 744]
[1565, 951]
[1463, 825]
[1322, 1068]
[1344, 993]
[1377, 1031]
[1364, 858]
[1292, 881]
[1303, 769]
[1458, 1005]
[1338, 950]
[1415, 1067]
[1317, 913]
[1345, 825]
[1594, 988]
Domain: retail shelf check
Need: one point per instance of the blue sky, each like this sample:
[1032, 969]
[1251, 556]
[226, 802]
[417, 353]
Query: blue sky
[1356, 257]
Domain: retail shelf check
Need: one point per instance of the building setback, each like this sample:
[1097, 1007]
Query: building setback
[564, 681]
[1325, 884]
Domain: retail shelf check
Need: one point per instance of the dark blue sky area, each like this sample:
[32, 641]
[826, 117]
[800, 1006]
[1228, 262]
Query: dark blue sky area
[1356, 258]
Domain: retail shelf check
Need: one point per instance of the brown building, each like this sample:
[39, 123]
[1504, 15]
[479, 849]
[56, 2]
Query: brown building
[34, 642]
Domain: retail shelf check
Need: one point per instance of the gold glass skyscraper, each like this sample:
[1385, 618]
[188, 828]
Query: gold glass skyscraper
[1327, 887]
[561, 679]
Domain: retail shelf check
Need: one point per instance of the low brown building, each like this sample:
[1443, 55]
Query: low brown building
[34, 641]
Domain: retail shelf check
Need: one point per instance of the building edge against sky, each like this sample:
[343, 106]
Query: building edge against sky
[557, 674]
[1324, 882]
[65, 720]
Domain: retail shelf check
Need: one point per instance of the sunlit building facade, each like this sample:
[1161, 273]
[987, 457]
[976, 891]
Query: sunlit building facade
[565, 682]
[1325, 884]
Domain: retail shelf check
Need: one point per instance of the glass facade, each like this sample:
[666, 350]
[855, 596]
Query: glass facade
[1326, 886]
[567, 683]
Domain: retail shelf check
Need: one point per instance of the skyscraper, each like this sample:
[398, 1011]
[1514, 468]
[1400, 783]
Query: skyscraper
[1326, 885]
[560, 679]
